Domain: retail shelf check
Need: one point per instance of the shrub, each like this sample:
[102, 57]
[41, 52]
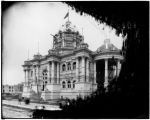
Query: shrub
[27, 101]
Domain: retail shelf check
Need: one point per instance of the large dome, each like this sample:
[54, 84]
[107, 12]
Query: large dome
[67, 37]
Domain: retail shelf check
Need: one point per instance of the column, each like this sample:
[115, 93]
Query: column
[25, 77]
[63, 43]
[87, 70]
[118, 68]
[77, 69]
[58, 81]
[38, 78]
[52, 72]
[38, 73]
[114, 68]
[106, 73]
[27, 74]
[34, 76]
[48, 72]
[94, 72]
[83, 69]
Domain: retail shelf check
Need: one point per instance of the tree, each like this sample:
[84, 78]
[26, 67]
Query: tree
[131, 20]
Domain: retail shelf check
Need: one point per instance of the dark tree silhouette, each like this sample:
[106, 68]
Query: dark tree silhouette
[129, 95]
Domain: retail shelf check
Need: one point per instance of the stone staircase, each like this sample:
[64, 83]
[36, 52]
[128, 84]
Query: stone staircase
[35, 97]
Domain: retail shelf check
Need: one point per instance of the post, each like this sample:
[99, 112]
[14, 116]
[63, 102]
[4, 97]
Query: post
[106, 73]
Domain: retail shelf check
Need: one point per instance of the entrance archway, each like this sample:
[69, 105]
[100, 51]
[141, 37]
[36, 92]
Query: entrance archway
[100, 72]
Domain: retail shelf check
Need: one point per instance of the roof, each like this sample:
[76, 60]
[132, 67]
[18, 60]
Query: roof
[107, 46]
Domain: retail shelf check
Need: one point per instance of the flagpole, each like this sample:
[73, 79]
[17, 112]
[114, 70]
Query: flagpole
[68, 15]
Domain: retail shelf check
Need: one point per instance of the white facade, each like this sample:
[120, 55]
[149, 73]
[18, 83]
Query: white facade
[70, 68]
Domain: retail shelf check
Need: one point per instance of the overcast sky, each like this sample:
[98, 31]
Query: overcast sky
[26, 23]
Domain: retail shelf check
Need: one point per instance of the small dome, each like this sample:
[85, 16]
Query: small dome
[37, 56]
[107, 46]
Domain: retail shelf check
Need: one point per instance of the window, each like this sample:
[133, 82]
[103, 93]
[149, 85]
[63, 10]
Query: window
[74, 84]
[69, 84]
[44, 73]
[69, 66]
[74, 65]
[35, 71]
[63, 67]
[31, 73]
[63, 84]
[9, 89]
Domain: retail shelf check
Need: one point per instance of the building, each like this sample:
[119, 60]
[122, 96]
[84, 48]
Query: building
[13, 89]
[70, 69]
[6, 89]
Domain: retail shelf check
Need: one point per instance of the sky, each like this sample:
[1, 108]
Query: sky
[26, 24]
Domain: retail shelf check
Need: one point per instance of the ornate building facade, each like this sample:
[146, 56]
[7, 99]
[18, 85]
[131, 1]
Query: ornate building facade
[70, 69]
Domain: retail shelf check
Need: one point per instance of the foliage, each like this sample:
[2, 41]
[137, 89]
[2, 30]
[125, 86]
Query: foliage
[27, 101]
[129, 95]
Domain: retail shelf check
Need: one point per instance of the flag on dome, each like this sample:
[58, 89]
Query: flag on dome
[66, 15]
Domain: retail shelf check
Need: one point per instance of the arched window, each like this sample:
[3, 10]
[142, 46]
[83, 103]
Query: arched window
[63, 67]
[69, 84]
[63, 84]
[69, 66]
[74, 65]
[74, 84]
